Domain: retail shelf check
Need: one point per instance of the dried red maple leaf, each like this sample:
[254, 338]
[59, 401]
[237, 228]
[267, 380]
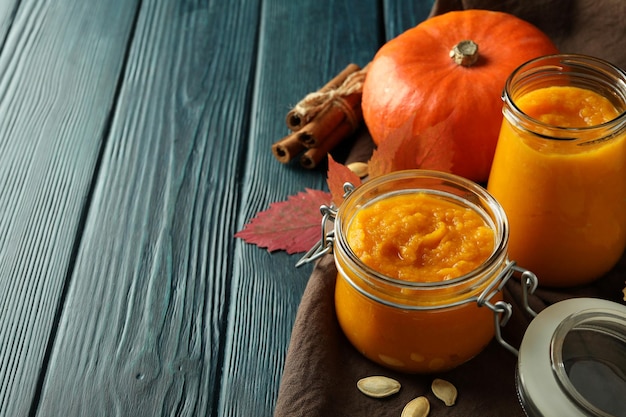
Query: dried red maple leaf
[292, 225]
[433, 153]
[338, 175]
[405, 151]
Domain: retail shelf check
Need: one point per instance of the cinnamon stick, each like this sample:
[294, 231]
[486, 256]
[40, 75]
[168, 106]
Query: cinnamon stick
[323, 118]
[344, 108]
[313, 156]
[313, 103]
[287, 148]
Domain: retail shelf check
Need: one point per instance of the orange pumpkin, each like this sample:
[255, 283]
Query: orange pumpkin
[450, 68]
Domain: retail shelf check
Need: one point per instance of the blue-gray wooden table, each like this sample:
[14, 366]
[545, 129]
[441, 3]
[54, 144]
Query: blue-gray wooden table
[134, 142]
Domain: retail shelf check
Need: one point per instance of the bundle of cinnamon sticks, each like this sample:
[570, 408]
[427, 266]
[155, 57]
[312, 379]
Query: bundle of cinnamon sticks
[322, 119]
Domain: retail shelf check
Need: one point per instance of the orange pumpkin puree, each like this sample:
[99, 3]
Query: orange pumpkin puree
[573, 227]
[420, 237]
[567, 106]
[416, 237]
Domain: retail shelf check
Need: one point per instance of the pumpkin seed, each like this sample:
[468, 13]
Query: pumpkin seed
[359, 168]
[378, 386]
[417, 407]
[445, 391]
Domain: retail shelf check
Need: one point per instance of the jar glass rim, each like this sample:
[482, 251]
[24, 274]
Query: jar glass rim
[556, 64]
[497, 217]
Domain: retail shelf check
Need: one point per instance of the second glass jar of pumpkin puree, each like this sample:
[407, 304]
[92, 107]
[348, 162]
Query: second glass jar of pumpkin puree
[421, 259]
[559, 169]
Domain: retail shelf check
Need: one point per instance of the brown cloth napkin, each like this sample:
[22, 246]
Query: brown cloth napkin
[322, 367]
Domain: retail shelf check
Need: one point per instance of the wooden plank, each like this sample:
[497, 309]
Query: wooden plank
[8, 10]
[59, 68]
[303, 45]
[401, 15]
[143, 322]
[314, 40]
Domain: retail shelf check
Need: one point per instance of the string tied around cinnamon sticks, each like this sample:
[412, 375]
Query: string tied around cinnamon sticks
[322, 119]
[346, 83]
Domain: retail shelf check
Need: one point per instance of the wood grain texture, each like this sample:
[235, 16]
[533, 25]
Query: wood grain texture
[143, 325]
[8, 10]
[402, 15]
[59, 68]
[302, 45]
[134, 142]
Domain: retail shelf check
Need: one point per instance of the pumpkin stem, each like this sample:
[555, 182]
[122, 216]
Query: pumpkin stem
[465, 53]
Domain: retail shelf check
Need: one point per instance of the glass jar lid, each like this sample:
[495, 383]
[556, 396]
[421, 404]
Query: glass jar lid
[572, 360]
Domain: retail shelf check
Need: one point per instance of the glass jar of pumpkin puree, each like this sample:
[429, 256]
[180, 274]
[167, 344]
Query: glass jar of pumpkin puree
[421, 259]
[559, 169]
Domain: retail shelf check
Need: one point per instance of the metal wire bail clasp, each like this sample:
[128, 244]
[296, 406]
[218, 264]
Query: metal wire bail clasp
[502, 310]
[325, 244]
